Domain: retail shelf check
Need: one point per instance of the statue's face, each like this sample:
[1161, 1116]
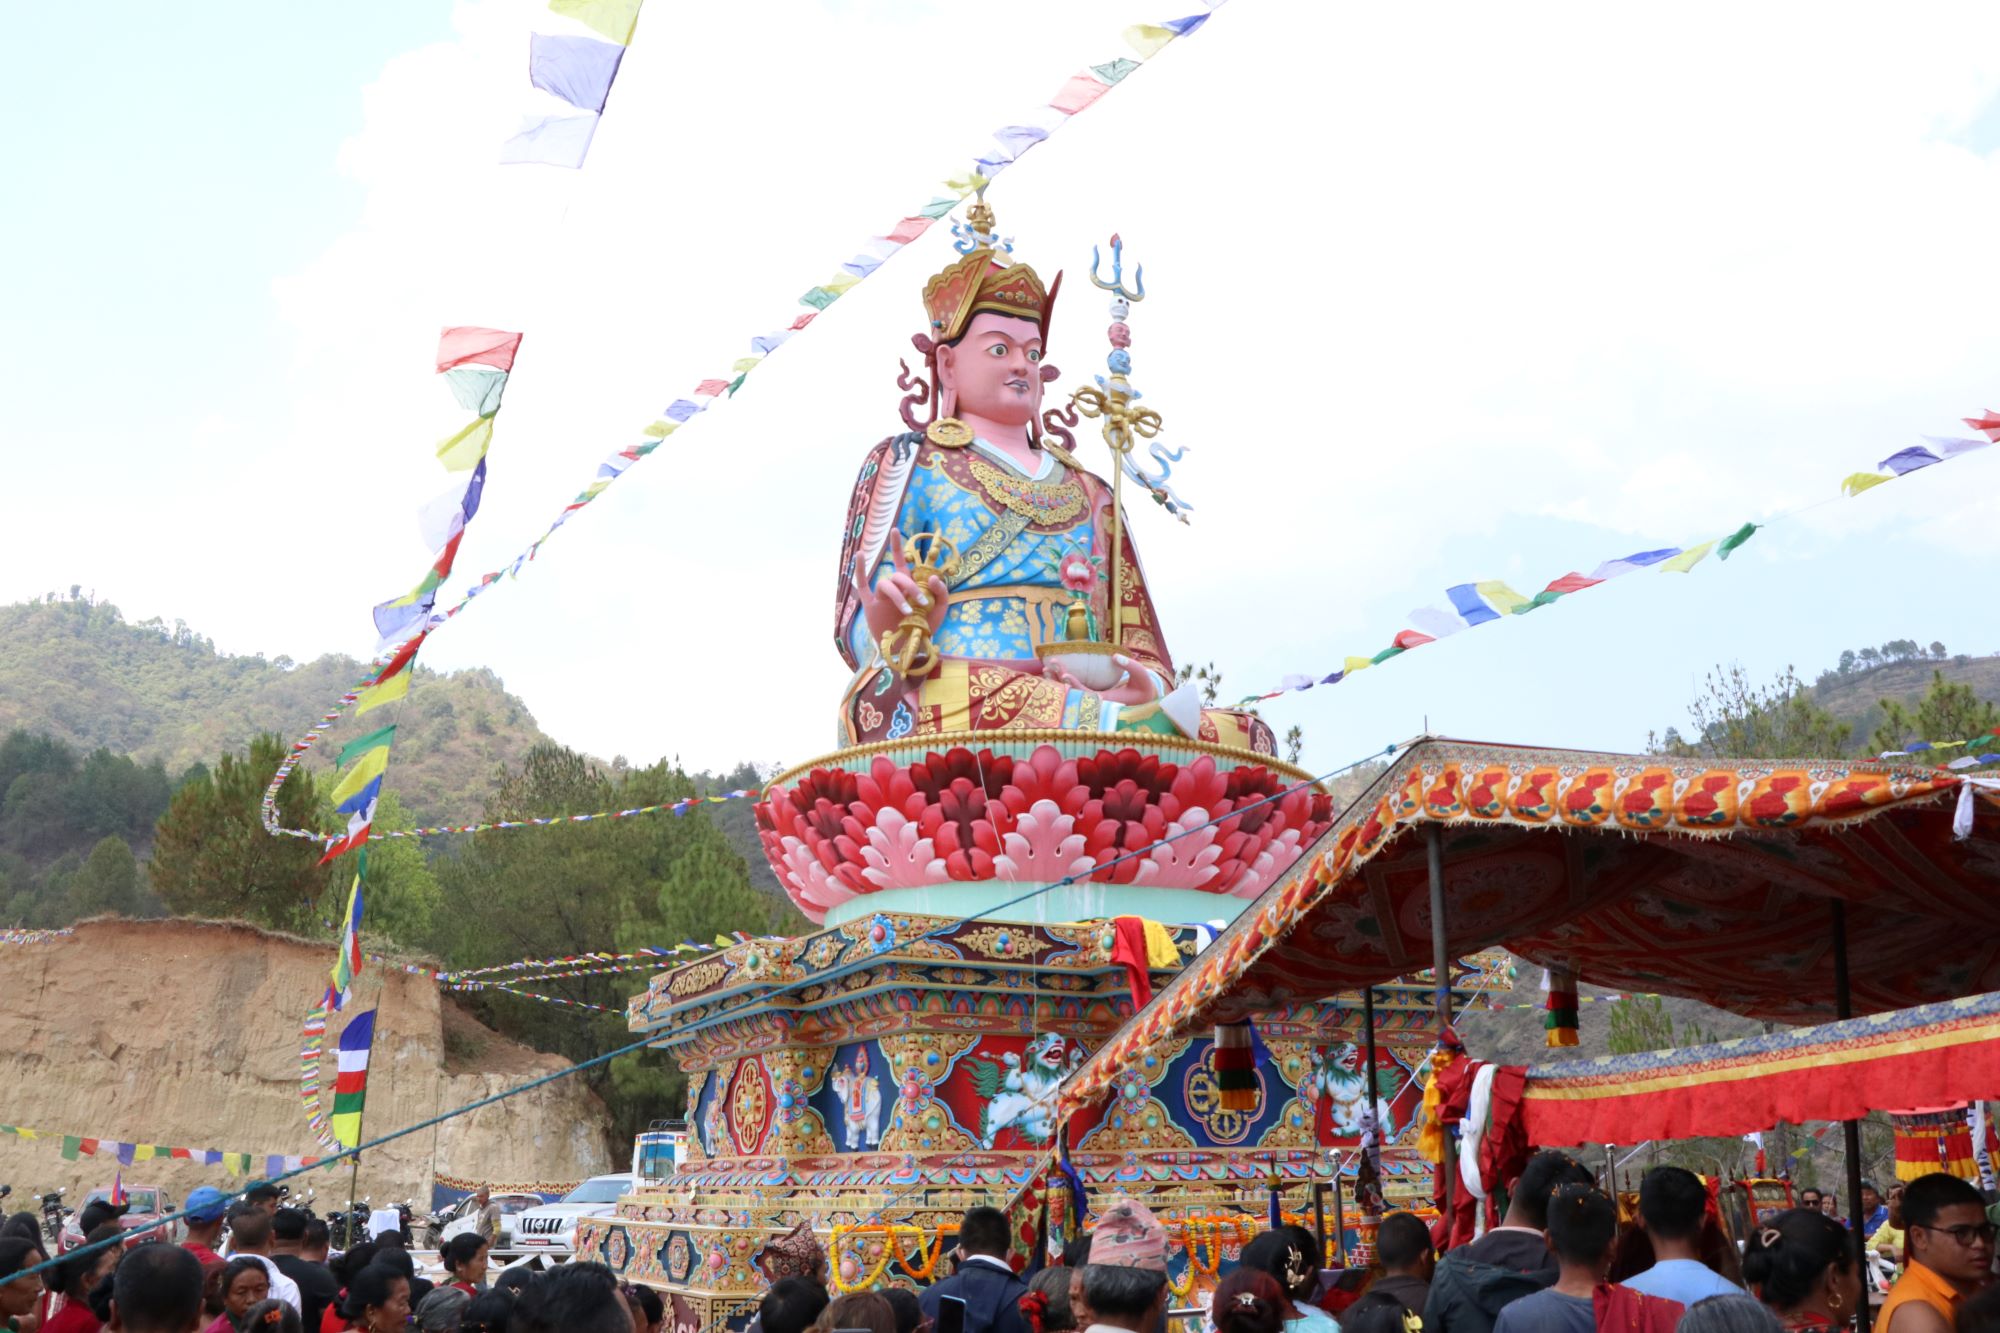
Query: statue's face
[995, 369]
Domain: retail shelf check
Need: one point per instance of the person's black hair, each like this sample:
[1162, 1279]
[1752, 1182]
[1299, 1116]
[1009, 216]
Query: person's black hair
[1310, 1251]
[1546, 1172]
[1981, 1313]
[272, 1314]
[1786, 1258]
[574, 1298]
[515, 1280]
[462, 1249]
[1377, 1312]
[397, 1260]
[25, 1225]
[157, 1289]
[1733, 1313]
[259, 1193]
[1076, 1253]
[1279, 1254]
[71, 1275]
[491, 1311]
[1402, 1241]
[1121, 1292]
[1927, 1196]
[908, 1312]
[251, 1230]
[353, 1260]
[289, 1225]
[237, 1268]
[656, 1309]
[392, 1239]
[369, 1287]
[1583, 1221]
[1673, 1201]
[17, 1253]
[316, 1236]
[791, 1305]
[1053, 1283]
[984, 1231]
[96, 1213]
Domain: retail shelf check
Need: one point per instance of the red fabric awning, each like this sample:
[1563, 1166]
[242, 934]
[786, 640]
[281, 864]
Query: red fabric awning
[1714, 881]
[1837, 1071]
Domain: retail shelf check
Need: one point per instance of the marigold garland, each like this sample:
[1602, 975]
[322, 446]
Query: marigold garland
[893, 1234]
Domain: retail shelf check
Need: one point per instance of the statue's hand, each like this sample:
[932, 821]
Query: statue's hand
[1136, 686]
[897, 594]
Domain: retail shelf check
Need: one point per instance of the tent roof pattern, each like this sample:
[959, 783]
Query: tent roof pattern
[1710, 880]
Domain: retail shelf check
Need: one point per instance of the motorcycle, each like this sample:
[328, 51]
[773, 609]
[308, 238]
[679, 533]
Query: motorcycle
[53, 1215]
[347, 1228]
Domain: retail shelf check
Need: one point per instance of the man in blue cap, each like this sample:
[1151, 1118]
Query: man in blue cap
[206, 1207]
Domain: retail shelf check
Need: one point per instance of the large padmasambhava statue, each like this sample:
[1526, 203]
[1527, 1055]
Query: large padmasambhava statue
[977, 566]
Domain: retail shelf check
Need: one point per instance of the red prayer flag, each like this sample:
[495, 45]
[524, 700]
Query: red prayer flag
[1572, 582]
[804, 319]
[1989, 425]
[476, 346]
[908, 230]
[712, 388]
[1411, 638]
[1129, 948]
[88, 1147]
[402, 657]
[1078, 93]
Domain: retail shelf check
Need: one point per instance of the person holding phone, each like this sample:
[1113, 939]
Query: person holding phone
[985, 1281]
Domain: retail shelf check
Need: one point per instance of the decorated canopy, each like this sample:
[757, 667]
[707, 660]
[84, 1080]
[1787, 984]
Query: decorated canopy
[1716, 881]
[1836, 1071]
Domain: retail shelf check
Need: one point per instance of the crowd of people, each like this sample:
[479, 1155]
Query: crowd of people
[1558, 1261]
[274, 1274]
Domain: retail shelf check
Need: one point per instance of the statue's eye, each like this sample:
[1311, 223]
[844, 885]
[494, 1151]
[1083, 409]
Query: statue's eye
[997, 349]
[1035, 355]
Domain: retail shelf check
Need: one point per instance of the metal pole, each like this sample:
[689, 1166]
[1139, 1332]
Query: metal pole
[1339, 1219]
[1319, 1217]
[1368, 1040]
[1850, 1130]
[1441, 974]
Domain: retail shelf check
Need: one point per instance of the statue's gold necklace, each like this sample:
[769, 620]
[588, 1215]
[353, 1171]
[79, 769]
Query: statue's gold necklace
[1042, 502]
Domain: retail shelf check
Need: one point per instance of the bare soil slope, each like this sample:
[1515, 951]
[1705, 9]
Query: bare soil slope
[186, 1033]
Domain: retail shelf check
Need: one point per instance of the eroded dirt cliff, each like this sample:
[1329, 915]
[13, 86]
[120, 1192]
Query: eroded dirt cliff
[186, 1033]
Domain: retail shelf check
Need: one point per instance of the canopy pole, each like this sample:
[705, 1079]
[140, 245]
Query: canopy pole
[1850, 1130]
[1441, 973]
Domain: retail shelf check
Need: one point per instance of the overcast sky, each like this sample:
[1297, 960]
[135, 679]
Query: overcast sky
[1437, 294]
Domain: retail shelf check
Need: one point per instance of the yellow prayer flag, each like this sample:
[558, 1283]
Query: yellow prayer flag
[462, 452]
[367, 768]
[614, 18]
[1946, 745]
[142, 1152]
[1688, 559]
[1161, 951]
[723, 942]
[1500, 597]
[964, 183]
[659, 430]
[840, 282]
[27, 1133]
[1354, 664]
[747, 364]
[388, 691]
[1148, 39]
[1861, 481]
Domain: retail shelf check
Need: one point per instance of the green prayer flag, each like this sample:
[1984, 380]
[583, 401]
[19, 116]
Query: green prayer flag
[1734, 540]
[1384, 655]
[937, 208]
[1115, 70]
[360, 745]
[737, 383]
[72, 1147]
[819, 298]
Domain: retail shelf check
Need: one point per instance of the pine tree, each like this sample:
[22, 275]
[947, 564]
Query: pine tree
[1947, 712]
[212, 857]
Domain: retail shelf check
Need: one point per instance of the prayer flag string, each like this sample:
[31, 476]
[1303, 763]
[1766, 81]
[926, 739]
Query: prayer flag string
[1469, 605]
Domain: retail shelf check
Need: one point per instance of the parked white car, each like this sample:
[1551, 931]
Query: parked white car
[463, 1216]
[551, 1228]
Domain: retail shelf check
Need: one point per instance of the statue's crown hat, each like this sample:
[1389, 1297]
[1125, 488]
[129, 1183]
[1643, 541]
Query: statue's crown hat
[985, 278]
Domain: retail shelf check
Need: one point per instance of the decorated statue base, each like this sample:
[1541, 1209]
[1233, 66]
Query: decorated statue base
[922, 1084]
